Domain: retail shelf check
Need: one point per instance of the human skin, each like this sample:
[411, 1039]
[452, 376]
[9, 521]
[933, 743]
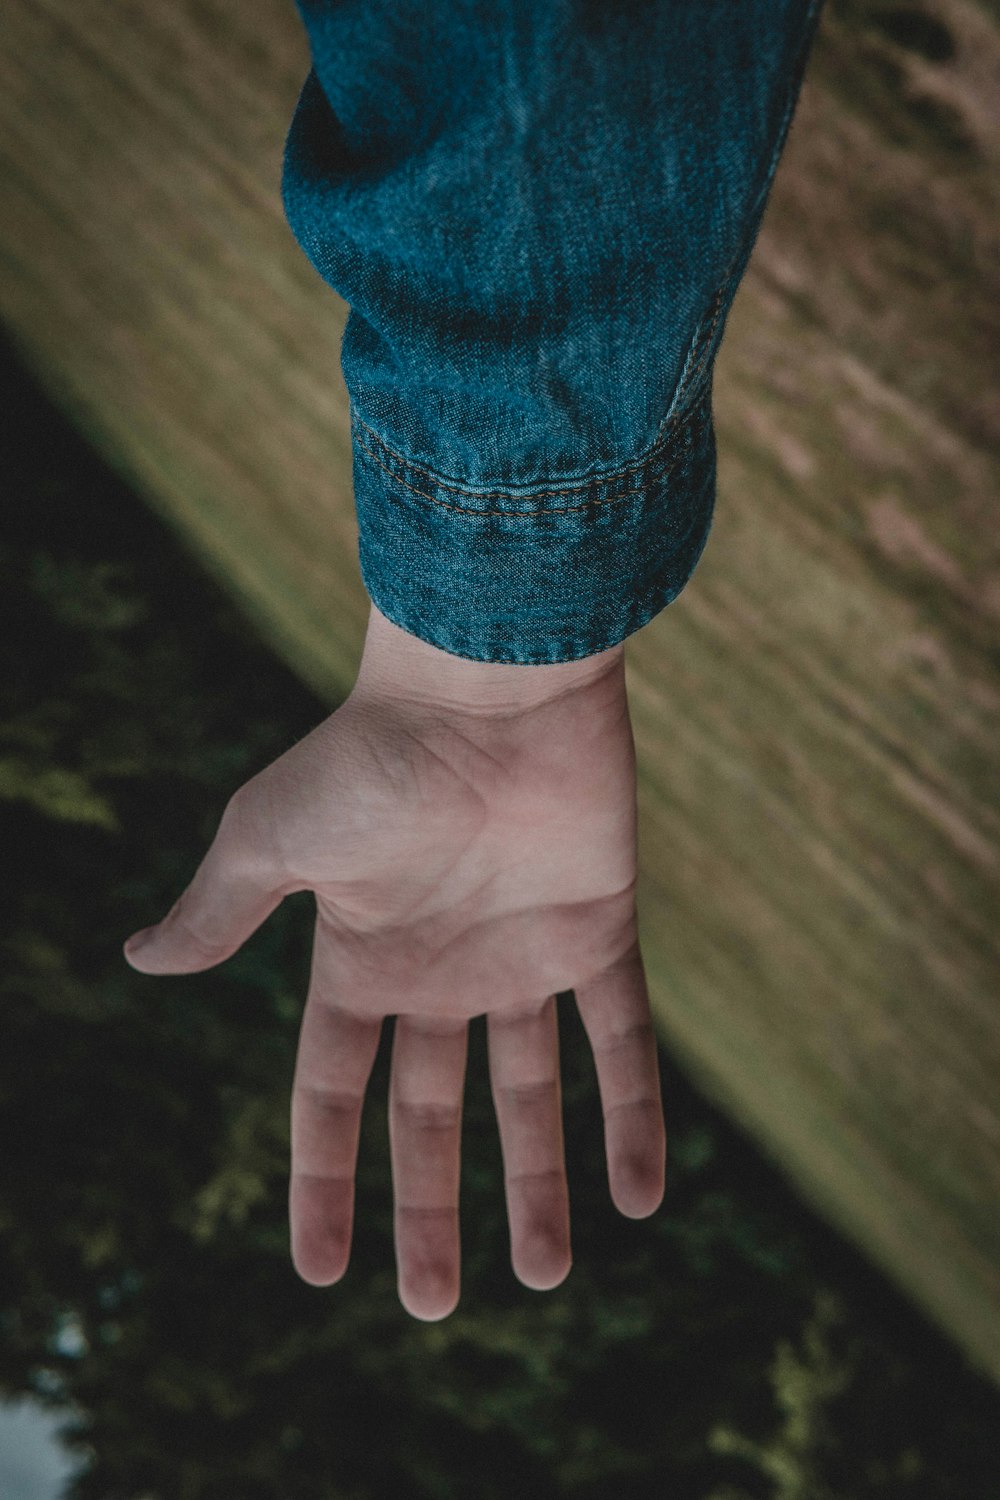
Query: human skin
[469, 831]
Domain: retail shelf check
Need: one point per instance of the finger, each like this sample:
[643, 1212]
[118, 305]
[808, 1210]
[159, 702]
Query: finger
[232, 893]
[524, 1075]
[336, 1053]
[426, 1086]
[615, 1012]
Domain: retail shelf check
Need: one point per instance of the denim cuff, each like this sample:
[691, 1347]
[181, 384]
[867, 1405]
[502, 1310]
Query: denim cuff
[539, 216]
[534, 575]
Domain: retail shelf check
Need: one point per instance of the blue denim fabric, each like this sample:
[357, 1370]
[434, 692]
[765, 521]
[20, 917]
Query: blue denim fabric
[539, 212]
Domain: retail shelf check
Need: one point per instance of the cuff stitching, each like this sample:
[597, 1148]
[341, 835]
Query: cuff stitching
[544, 510]
[588, 484]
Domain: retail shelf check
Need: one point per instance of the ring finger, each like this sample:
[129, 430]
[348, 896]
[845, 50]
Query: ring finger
[524, 1075]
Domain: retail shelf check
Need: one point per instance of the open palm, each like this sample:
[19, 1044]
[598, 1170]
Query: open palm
[464, 863]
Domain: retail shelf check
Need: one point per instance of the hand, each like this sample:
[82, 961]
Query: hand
[469, 831]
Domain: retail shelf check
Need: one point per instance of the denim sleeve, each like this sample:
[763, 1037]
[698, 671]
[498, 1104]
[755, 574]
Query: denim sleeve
[539, 212]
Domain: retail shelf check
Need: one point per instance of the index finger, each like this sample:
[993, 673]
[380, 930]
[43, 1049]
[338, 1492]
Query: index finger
[336, 1053]
[614, 1008]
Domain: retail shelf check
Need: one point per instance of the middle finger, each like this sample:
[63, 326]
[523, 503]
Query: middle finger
[425, 1140]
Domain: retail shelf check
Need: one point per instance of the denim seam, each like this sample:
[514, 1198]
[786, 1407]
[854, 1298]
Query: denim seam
[688, 383]
[528, 515]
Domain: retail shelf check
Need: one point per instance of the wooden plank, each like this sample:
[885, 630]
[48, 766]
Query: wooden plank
[816, 717]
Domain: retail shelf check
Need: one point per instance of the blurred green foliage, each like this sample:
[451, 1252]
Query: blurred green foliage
[732, 1347]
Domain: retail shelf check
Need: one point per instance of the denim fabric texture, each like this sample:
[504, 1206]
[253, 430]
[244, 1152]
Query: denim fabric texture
[539, 212]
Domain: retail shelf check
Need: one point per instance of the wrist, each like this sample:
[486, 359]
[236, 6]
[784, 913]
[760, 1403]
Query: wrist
[399, 665]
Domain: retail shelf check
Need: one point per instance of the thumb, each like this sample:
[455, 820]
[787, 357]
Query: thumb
[233, 891]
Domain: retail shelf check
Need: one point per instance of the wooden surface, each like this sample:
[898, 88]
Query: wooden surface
[817, 717]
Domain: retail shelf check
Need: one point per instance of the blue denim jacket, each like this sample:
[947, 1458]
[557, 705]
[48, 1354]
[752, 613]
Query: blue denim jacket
[539, 212]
